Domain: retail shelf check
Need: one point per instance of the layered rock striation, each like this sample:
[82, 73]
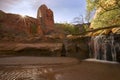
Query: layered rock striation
[46, 18]
[14, 24]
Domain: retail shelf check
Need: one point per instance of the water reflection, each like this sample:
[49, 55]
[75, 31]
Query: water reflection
[58, 77]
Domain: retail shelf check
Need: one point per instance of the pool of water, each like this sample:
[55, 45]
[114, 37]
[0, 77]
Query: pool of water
[33, 68]
[56, 68]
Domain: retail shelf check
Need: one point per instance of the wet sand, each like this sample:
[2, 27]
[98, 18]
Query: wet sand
[23, 60]
[74, 70]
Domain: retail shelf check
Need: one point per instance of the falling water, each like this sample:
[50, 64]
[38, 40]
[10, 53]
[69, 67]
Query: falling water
[105, 47]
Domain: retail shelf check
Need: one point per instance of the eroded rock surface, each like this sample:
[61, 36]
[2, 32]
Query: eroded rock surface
[46, 18]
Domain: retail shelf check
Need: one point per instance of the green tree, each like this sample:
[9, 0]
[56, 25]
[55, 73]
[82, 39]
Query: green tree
[68, 28]
[107, 12]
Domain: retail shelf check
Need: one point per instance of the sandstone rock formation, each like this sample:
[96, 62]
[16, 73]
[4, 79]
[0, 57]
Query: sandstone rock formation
[38, 49]
[46, 19]
[17, 24]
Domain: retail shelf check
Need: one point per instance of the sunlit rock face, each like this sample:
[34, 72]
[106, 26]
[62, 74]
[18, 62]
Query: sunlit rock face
[14, 24]
[46, 19]
[107, 14]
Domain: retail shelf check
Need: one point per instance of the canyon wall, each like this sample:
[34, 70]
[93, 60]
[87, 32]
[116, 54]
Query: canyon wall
[15, 24]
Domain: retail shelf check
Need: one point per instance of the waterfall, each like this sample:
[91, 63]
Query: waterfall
[105, 47]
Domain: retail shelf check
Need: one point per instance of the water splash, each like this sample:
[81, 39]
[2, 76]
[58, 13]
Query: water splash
[105, 47]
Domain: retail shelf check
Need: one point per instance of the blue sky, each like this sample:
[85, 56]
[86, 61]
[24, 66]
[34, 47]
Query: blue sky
[64, 10]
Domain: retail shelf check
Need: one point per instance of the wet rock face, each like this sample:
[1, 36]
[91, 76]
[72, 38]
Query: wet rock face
[77, 47]
[45, 17]
[106, 47]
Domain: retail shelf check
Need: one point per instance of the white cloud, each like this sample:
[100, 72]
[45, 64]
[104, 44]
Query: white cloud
[7, 4]
[64, 10]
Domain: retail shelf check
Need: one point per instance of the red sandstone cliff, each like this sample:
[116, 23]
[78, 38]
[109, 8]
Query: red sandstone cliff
[46, 18]
[17, 25]
[14, 23]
